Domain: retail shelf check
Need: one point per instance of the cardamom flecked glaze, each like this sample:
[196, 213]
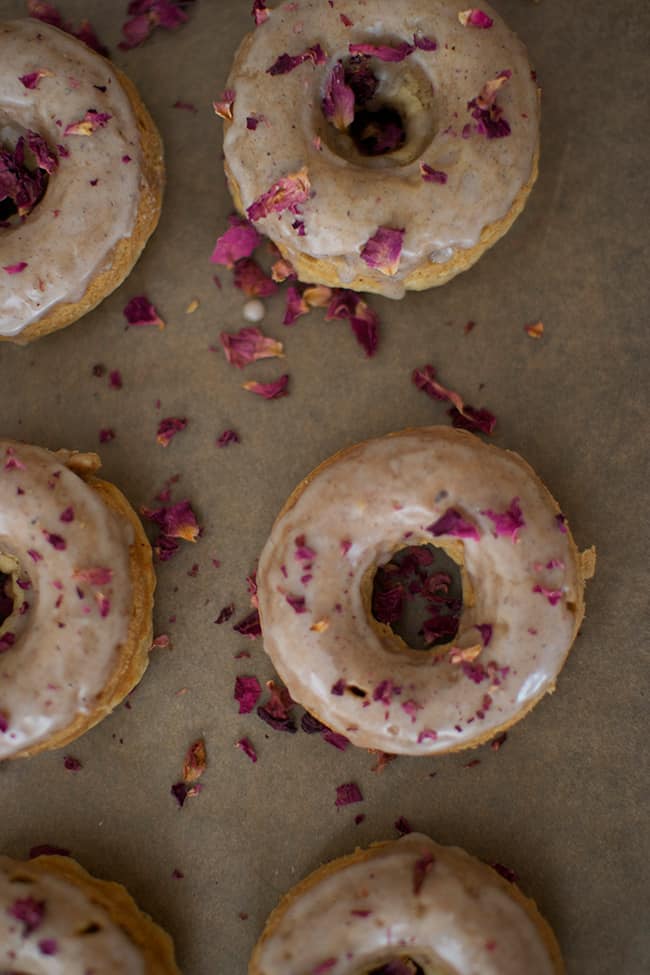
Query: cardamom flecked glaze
[78, 925]
[72, 646]
[447, 226]
[353, 513]
[411, 898]
[104, 190]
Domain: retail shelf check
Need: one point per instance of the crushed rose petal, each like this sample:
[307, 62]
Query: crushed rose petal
[286, 194]
[247, 693]
[384, 52]
[347, 794]
[139, 311]
[240, 240]
[338, 100]
[89, 124]
[223, 106]
[454, 524]
[228, 437]
[509, 522]
[475, 18]
[287, 62]
[247, 748]
[195, 761]
[168, 428]
[430, 175]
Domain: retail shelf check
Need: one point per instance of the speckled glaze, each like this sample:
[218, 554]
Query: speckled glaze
[363, 912]
[64, 650]
[352, 197]
[69, 235]
[67, 911]
[355, 511]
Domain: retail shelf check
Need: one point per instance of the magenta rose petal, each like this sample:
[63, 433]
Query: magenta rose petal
[339, 100]
[384, 52]
[383, 250]
[240, 240]
[139, 311]
[273, 390]
[286, 194]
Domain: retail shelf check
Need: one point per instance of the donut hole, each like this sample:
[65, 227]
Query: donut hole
[25, 181]
[418, 593]
[398, 966]
[6, 597]
[393, 119]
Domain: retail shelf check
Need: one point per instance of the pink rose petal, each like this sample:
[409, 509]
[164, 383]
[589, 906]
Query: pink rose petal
[247, 748]
[287, 62]
[273, 390]
[286, 194]
[259, 12]
[383, 250]
[239, 241]
[509, 522]
[223, 106]
[338, 101]
[454, 524]
[247, 693]
[15, 268]
[296, 306]
[168, 428]
[250, 278]
[248, 345]
[32, 79]
[475, 18]
[89, 124]
[347, 794]
[139, 311]
[430, 175]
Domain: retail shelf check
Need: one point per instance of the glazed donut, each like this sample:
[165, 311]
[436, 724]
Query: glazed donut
[55, 917]
[448, 111]
[522, 576]
[399, 905]
[103, 154]
[78, 581]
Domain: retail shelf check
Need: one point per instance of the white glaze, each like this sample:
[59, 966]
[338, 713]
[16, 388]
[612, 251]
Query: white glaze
[67, 911]
[63, 654]
[69, 235]
[462, 922]
[349, 202]
[381, 496]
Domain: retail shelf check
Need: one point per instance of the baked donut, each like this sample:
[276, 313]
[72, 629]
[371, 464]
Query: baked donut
[77, 583]
[381, 146]
[406, 907]
[55, 917]
[98, 168]
[522, 578]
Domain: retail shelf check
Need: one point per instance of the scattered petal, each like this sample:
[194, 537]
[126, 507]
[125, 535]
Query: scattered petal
[347, 794]
[475, 18]
[273, 390]
[240, 240]
[15, 268]
[228, 437]
[509, 522]
[287, 62]
[535, 331]
[89, 124]
[553, 595]
[430, 175]
[247, 748]
[383, 52]
[249, 345]
[252, 280]
[140, 311]
[223, 106]
[247, 693]
[259, 12]
[32, 79]
[195, 761]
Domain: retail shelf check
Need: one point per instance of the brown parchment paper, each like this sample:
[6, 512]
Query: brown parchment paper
[565, 801]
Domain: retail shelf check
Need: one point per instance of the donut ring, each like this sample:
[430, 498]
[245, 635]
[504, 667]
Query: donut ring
[412, 901]
[523, 584]
[55, 917]
[410, 218]
[103, 200]
[78, 635]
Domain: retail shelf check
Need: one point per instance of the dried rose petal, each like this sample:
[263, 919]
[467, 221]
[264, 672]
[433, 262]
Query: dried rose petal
[282, 270]
[168, 428]
[384, 691]
[7, 641]
[48, 946]
[430, 175]
[475, 18]
[247, 748]
[317, 295]
[248, 345]
[454, 524]
[383, 250]
[311, 725]
[297, 603]
[296, 306]
[337, 741]
[195, 761]
[176, 520]
[403, 826]
[94, 577]
[476, 421]
[287, 62]
[420, 871]
[71, 764]
[106, 435]
[32, 79]
[487, 113]
[240, 240]
[29, 912]
[485, 629]
[383, 52]
[15, 268]
[259, 12]
[252, 280]
[249, 626]
[286, 194]
[553, 595]
[535, 330]
[247, 693]
[347, 794]
[140, 311]
[509, 522]
[364, 322]
[48, 14]
[425, 43]
[228, 437]
[273, 390]
[338, 101]
[147, 15]
[89, 124]
[223, 106]
[499, 741]
[488, 93]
